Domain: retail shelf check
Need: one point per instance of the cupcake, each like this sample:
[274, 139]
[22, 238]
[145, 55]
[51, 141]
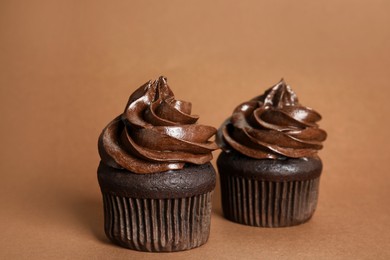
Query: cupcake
[269, 168]
[155, 173]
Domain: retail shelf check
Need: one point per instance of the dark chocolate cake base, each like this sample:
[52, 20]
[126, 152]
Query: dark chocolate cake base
[268, 193]
[160, 212]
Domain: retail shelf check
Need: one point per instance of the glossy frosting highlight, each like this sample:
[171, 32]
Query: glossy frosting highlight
[273, 125]
[155, 133]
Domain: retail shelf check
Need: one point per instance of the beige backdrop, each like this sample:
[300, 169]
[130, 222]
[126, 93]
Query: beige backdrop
[68, 67]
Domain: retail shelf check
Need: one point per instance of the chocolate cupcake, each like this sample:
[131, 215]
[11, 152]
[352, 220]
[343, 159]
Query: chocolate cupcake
[155, 173]
[268, 167]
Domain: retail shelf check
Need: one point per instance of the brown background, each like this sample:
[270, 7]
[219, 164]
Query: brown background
[67, 69]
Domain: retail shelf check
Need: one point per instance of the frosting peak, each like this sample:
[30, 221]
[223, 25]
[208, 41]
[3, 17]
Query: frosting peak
[280, 95]
[155, 133]
[273, 125]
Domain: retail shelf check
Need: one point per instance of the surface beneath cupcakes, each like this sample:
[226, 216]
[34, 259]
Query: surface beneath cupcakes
[65, 63]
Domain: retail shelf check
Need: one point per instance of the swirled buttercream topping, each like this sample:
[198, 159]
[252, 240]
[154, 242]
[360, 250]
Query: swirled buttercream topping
[155, 133]
[273, 125]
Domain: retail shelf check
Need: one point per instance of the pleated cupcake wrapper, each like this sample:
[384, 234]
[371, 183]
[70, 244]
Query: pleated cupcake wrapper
[266, 203]
[158, 225]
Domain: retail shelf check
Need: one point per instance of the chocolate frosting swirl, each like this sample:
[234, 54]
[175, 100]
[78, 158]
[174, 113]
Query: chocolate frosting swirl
[273, 125]
[155, 133]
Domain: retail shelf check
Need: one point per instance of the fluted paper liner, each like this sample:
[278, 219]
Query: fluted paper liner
[158, 224]
[268, 203]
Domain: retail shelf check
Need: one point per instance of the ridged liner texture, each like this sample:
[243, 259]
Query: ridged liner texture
[158, 225]
[268, 203]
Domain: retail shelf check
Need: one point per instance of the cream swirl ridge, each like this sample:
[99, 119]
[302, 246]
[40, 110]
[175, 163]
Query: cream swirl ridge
[273, 125]
[155, 133]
